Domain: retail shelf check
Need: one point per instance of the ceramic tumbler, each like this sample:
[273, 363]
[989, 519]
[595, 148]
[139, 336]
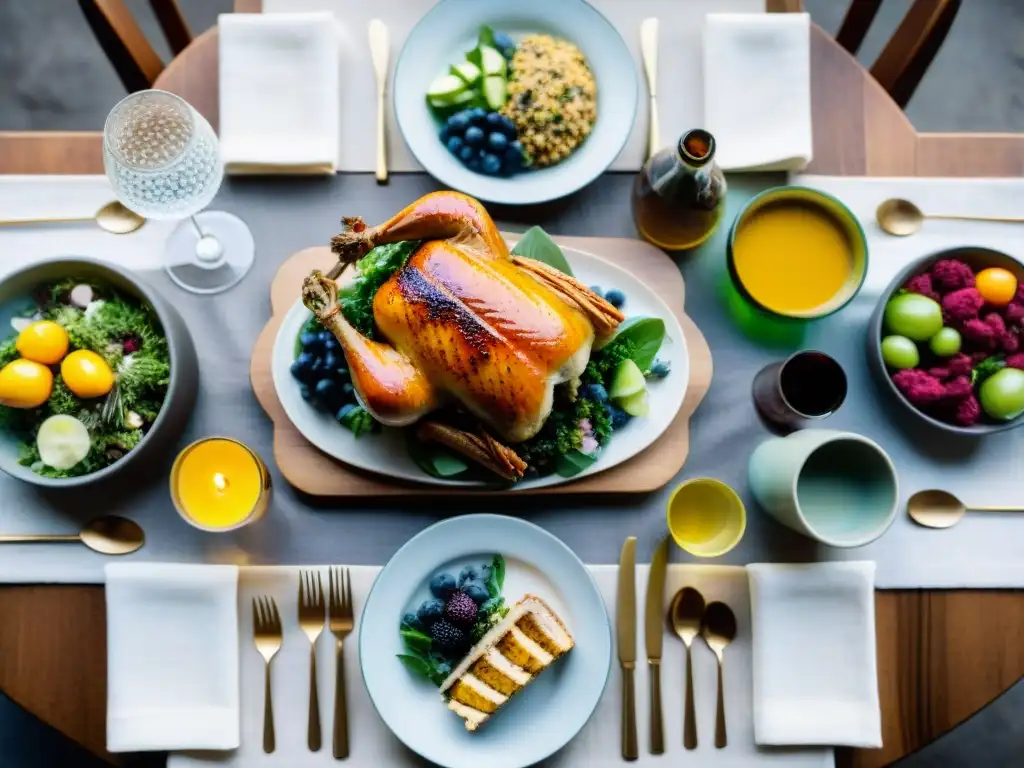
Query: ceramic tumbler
[839, 488]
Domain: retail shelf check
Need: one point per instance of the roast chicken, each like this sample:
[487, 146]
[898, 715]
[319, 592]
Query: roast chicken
[464, 320]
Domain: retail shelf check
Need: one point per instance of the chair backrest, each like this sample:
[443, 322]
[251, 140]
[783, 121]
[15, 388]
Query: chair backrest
[909, 52]
[136, 62]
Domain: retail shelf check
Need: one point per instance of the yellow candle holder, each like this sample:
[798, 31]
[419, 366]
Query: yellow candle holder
[706, 517]
[219, 484]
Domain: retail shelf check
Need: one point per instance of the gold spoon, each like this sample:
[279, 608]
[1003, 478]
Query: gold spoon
[108, 535]
[113, 217]
[902, 217]
[685, 616]
[718, 630]
[939, 509]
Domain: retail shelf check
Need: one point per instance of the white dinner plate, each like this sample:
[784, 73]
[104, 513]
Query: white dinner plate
[552, 709]
[385, 452]
[451, 28]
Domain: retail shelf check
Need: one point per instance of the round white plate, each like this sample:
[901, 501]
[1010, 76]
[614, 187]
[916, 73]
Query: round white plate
[385, 452]
[552, 709]
[450, 29]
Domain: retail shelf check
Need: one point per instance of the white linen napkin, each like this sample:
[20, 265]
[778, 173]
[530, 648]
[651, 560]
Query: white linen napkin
[172, 657]
[815, 675]
[757, 90]
[279, 92]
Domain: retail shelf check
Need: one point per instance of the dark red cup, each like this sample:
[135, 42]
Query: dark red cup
[804, 387]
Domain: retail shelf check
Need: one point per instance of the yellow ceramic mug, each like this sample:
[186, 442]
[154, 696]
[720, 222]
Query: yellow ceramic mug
[706, 517]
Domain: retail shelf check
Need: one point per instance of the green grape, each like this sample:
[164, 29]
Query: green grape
[900, 352]
[915, 316]
[945, 343]
[1002, 394]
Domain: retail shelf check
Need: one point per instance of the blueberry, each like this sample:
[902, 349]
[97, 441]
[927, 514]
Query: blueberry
[442, 585]
[306, 393]
[659, 369]
[347, 389]
[411, 620]
[616, 298]
[490, 164]
[476, 592]
[473, 163]
[477, 116]
[325, 336]
[443, 668]
[514, 156]
[310, 342]
[317, 367]
[504, 44]
[455, 143]
[595, 392]
[508, 127]
[302, 367]
[331, 344]
[326, 392]
[619, 418]
[430, 611]
[497, 142]
[469, 573]
[331, 363]
[466, 154]
[474, 136]
[444, 134]
[345, 410]
[494, 121]
[458, 123]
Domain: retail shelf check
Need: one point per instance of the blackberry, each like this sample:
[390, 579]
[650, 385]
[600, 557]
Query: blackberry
[446, 636]
[460, 609]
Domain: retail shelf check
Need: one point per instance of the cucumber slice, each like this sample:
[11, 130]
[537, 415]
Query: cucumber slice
[491, 62]
[495, 93]
[636, 405]
[629, 380]
[468, 71]
[446, 87]
[462, 99]
[63, 442]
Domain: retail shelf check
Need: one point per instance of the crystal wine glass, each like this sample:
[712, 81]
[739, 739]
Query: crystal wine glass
[161, 156]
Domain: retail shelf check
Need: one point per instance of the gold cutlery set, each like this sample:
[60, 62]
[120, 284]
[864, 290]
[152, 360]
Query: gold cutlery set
[313, 615]
[688, 617]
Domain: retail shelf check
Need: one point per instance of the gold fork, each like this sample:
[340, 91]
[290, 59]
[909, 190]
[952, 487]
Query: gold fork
[311, 620]
[266, 624]
[341, 626]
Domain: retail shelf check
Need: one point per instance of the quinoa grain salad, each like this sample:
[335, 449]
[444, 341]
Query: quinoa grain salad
[552, 98]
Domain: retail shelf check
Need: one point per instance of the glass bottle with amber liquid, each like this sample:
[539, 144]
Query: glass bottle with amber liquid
[679, 194]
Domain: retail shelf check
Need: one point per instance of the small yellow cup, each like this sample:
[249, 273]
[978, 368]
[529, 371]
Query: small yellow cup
[706, 517]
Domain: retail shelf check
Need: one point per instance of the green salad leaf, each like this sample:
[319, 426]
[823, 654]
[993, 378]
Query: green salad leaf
[537, 244]
[435, 460]
[415, 640]
[986, 368]
[374, 269]
[496, 580]
[573, 462]
[644, 335]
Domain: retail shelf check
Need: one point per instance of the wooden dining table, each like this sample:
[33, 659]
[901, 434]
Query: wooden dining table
[942, 654]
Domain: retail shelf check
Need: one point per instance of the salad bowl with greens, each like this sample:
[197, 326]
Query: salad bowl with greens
[97, 370]
[630, 392]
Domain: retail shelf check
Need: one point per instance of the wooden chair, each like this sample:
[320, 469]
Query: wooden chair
[906, 57]
[134, 59]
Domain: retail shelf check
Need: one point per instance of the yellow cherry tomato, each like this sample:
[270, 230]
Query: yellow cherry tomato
[996, 285]
[25, 384]
[87, 374]
[43, 341]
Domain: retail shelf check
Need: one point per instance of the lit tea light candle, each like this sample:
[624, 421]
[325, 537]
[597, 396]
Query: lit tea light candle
[218, 484]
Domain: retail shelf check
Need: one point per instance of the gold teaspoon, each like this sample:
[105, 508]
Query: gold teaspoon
[939, 509]
[108, 535]
[685, 616]
[718, 630]
[901, 217]
[113, 217]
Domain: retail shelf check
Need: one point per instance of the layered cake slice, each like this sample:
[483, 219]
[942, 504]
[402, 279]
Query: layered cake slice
[505, 660]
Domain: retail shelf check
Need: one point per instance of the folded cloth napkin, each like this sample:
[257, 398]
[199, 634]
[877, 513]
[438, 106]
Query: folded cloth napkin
[172, 657]
[815, 676]
[279, 92]
[757, 89]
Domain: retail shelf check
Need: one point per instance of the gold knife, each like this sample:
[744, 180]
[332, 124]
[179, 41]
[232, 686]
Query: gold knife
[654, 633]
[649, 53]
[379, 43]
[625, 623]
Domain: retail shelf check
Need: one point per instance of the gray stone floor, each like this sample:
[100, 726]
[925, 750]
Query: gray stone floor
[53, 76]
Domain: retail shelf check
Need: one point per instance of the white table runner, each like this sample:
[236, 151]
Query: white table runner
[596, 746]
[680, 68]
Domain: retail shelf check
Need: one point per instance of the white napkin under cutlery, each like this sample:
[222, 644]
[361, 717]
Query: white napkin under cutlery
[815, 672]
[172, 657]
[757, 90]
[279, 92]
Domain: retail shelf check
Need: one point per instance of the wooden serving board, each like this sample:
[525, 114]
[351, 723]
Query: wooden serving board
[316, 473]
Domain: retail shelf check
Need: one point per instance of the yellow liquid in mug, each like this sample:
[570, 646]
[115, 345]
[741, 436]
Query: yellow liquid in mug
[218, 483]
[792, 257]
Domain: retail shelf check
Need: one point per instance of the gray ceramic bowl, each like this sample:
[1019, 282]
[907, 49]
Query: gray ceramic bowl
[181, 393]
[977, 259]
